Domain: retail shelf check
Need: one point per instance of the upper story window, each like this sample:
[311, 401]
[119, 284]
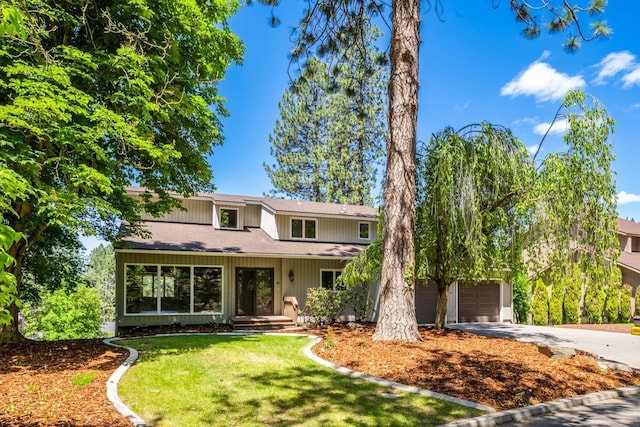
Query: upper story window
[228, 218]
[364, 231]
[303, 228]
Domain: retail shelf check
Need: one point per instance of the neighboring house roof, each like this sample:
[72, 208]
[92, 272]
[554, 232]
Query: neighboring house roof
[630, 260]
[169, 236]
[628, 227]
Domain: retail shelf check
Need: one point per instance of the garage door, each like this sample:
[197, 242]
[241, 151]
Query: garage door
[480, 303]
[426, 298]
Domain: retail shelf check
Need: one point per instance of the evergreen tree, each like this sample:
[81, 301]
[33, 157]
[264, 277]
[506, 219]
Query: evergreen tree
[329, 140]
[101, 275]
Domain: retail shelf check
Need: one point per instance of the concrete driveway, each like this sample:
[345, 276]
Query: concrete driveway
[612, 346]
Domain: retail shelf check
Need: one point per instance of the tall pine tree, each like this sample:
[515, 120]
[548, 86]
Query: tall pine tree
[328, 143]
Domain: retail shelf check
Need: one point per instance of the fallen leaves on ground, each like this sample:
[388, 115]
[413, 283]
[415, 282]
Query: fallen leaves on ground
[62, 383]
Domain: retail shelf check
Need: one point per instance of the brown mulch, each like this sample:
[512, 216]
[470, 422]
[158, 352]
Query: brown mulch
[36, 387]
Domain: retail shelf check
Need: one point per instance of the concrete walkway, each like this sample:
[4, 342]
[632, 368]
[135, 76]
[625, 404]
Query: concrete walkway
[611, 408]
[613, 346]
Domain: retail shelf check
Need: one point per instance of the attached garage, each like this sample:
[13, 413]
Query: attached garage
[486, 302]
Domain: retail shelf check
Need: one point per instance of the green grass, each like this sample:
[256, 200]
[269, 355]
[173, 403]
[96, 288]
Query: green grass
[253, 380]
[83, 379]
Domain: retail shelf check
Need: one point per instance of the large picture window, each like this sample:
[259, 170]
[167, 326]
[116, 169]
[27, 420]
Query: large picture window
[154, 289]
[303, 228]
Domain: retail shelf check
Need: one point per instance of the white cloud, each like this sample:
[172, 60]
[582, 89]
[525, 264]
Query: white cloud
[462, 107]
[542, 81]
[533, 149]
[624, 198]
[559, 127]
[632, 78]
[613, 64]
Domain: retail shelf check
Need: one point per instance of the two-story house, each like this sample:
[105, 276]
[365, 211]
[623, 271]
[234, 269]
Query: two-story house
[629, 260]
[226, 257]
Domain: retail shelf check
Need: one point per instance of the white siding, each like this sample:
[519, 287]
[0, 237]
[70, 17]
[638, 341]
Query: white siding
[506, 302]
[197, 212]
[252, 215]
[268, 224]
[452, 304]
[328, 229]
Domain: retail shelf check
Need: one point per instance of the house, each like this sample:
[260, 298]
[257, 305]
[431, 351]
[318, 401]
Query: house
[223, 257]
[629, 259]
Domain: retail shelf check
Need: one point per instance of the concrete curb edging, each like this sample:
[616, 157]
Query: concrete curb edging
[112, 384]
[390, 384]
[520, 414]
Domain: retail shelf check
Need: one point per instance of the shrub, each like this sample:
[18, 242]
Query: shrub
[71, 315]
[540, 303]
[625, 304]
[572, 295]
[323, 306]
[594, 298]
[557, 298]
[521, 299]
[357, 297]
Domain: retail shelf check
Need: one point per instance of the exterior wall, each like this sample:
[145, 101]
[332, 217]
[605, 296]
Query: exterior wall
[625, 243]
[452, 304]
[197, 212]
[306, 273]
[268, 224]
[328, 229]
[252, 215]
[631, 278]
[506, 302]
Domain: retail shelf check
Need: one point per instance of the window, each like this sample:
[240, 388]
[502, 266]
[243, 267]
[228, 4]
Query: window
[153, 289]
[331, 279]
[228, 218]
[207, 290]
[363, 231]
[303, 228]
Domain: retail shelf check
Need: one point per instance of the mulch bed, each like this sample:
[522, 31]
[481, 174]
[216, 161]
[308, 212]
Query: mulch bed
[37, 377]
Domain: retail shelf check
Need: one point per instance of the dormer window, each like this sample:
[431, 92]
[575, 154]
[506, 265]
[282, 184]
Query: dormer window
[363, 231]
[303, 228]
[229, 218]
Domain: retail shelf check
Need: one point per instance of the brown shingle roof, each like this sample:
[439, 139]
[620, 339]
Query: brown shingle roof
[628, 227]
[630, 260]
[166, 236]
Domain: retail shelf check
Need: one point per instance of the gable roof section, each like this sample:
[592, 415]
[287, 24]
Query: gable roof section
[177, 237]
[628, 227]
[630, 261]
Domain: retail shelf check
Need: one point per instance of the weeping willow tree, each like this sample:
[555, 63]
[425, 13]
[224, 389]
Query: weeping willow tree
[470, 219]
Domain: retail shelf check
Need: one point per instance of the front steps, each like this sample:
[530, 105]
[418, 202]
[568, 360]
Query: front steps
[261, 323]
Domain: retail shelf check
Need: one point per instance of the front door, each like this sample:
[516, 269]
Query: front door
[254, 291]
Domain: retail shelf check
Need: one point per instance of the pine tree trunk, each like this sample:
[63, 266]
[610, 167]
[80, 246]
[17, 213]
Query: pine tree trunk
[441, 305]
[397, 316]
[10, 333]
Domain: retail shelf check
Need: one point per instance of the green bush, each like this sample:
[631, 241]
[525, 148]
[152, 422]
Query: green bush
[65, 315]
[625, 304]
[521, 299]
[594, 298]
[323, 306]
[540, 303]
[357, 297]
[558, 283]
[572, 295]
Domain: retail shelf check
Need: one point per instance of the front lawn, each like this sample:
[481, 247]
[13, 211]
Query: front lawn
[248, 380]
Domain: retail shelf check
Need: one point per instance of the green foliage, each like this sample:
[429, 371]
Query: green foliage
[573, 294]
[101, 275]
[540, 303]
[97, 96]
[558, 291]
[471, 221]
[67, 315]
[613, 297]
[357, 297]
[594, 297]
[83, 379]
[323, 306]
[329, 140]
[625, 304]
[521, 298]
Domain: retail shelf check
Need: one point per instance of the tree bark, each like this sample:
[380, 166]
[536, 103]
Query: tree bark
[397, 316]
[441, 305]
[10, 333]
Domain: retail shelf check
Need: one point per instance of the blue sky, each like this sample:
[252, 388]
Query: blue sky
[474, 66]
